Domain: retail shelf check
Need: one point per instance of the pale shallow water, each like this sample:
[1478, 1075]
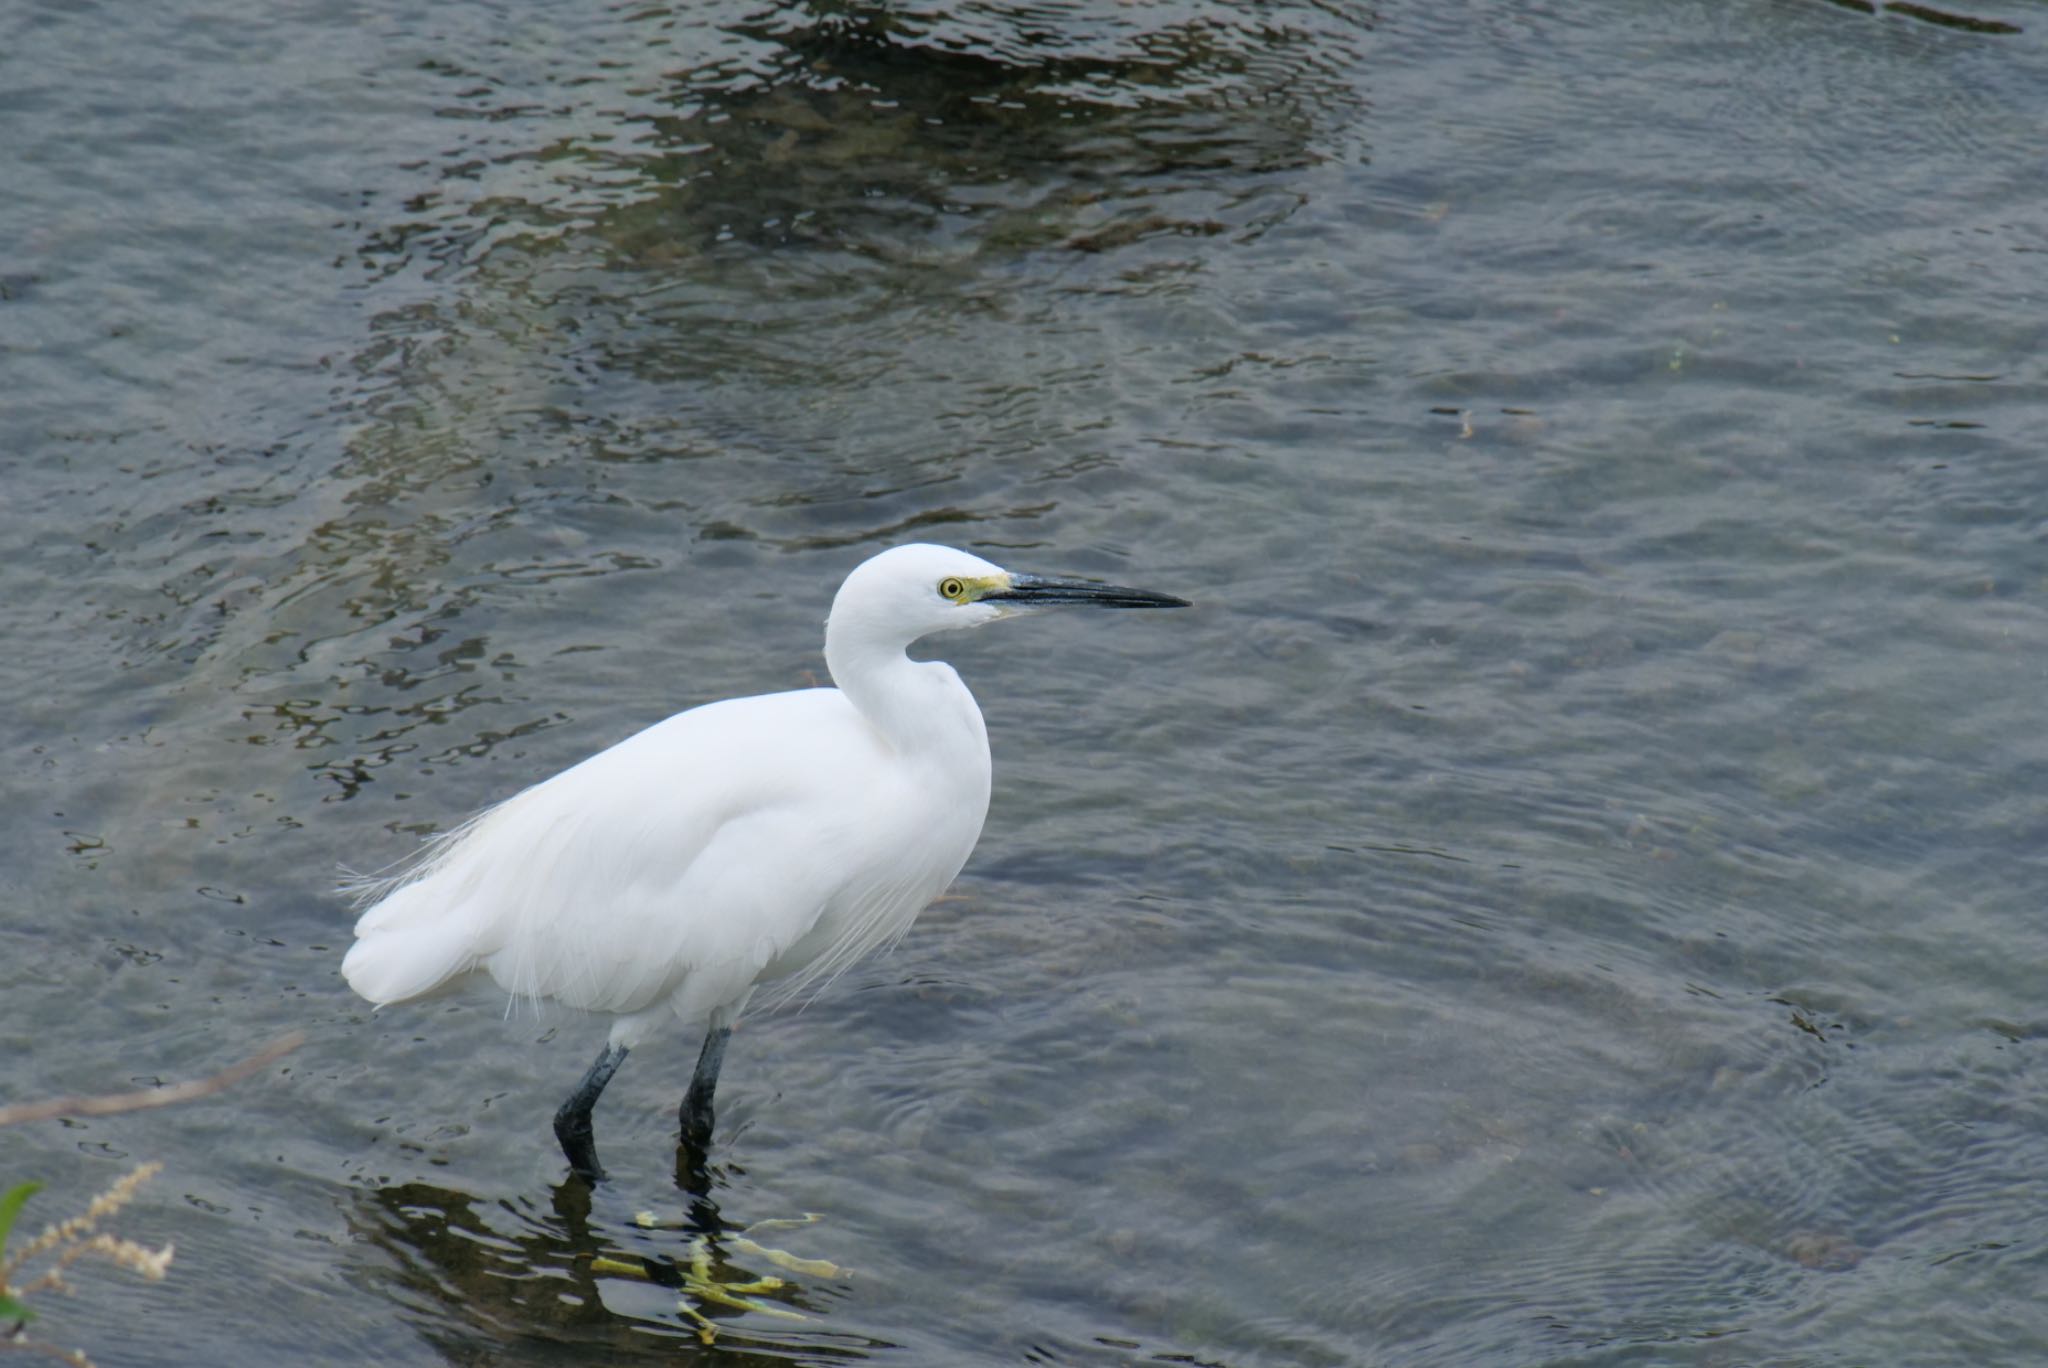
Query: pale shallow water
[1572, 892]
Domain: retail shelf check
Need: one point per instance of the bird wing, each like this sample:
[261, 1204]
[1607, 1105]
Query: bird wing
[704, 846]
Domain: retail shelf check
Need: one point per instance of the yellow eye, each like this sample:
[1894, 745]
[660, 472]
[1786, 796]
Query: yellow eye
[953, 589]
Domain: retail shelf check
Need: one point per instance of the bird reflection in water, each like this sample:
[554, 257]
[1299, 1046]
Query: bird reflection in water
[506, 1270]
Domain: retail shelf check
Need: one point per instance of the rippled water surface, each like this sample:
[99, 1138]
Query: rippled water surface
[1572, 892]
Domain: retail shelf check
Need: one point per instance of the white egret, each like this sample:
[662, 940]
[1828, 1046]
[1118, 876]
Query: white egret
[782, 836]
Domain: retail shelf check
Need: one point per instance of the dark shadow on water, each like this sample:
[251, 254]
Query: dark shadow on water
[587, 1270]
[809, 200]
[1927, 14]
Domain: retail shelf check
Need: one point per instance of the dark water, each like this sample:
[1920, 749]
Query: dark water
[1572, 893]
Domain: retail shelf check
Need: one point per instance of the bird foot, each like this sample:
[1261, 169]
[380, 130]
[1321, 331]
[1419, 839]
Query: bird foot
[705, 1277]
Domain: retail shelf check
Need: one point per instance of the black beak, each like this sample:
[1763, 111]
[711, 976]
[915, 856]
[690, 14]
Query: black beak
[1043, 590]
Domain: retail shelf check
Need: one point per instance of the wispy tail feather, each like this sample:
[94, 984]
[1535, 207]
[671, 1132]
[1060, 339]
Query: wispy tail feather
[398, 957]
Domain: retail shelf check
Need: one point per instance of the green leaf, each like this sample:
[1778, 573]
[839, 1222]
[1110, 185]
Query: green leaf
[12, 1310]
[10, 1207]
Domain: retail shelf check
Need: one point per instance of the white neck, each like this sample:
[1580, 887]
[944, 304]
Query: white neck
[914, 705]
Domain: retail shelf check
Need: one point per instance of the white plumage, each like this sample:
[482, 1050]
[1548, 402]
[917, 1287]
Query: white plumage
[779, 837]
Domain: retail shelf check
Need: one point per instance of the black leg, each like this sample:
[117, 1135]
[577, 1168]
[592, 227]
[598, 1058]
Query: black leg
[696, 1111]
[572, 1120]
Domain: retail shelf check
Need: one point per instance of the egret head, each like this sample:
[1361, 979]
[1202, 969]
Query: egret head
[912, 591]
